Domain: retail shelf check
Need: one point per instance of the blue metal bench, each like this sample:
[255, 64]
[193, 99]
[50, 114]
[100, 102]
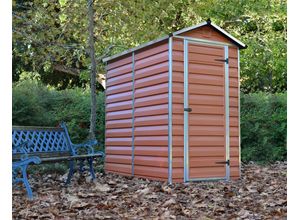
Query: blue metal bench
[42, 144]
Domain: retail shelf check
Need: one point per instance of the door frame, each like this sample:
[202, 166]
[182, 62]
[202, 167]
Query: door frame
[186, 41]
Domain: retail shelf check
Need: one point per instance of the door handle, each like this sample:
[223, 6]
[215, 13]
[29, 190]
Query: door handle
[223, 162]
[223, 60]
[187, 109]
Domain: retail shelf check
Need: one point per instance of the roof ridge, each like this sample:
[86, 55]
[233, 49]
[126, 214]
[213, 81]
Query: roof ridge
[207, 22]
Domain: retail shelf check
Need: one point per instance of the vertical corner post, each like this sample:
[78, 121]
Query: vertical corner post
[227, 134]
[105, 93]
[132, 121]
[170, 112]
[239, 112]
[186, 116]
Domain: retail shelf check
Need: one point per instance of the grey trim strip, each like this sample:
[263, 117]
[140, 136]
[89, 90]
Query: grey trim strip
[238, 43]
[189, 28]
[207, 179]
[132, 131]
[106, 76]
[186, 116]
[227, 113]
[239, 114]
[229, 35]
[170, 113]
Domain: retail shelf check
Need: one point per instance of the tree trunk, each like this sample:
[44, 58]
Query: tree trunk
[93, 70]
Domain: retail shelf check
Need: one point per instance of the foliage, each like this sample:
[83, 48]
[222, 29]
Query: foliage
[262, 26]
[38, 105]
[51, 37]
[264, 127]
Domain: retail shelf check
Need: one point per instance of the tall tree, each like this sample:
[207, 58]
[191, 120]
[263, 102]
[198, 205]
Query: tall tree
[93, 70]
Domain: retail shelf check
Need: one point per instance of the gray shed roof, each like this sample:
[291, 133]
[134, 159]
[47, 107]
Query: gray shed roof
[206, 23]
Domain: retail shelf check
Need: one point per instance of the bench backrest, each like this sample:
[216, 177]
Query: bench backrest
[41, 139]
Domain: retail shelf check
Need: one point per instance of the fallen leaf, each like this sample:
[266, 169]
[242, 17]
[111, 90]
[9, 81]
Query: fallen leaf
[143, 191]
[169, 202]
[102, 187]
[111, 182]
[166, 189]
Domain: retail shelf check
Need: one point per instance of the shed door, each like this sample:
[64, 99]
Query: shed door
[206, 148]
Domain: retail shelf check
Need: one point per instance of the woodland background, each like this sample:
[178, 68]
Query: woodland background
[51, 61]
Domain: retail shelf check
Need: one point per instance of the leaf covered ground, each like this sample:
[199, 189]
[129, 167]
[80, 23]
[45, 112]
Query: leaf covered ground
[259, 194]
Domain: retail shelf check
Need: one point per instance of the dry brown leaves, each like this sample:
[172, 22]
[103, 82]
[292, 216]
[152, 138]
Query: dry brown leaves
[260, 194]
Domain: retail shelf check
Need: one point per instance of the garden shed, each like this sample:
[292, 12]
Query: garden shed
[172, 107]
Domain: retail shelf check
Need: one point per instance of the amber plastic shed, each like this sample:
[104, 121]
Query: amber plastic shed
[172, 107]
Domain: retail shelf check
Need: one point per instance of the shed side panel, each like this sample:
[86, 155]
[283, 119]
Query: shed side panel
[151, 112]
[118, 132]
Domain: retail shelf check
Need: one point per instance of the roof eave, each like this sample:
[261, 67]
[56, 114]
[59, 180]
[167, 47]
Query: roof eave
[135, 48]
[229, 36]
[189, 28]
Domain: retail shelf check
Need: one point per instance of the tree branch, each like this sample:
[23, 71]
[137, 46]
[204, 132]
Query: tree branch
[65, 69]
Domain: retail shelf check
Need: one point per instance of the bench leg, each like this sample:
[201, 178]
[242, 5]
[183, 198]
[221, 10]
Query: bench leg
[81, 166]
[23, 179]
[19, 168]
[71, 171]
[26, 183]
[90, 160]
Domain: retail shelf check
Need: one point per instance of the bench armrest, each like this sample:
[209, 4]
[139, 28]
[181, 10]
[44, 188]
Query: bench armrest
[21, 149]
[26, 161]
[88, 146]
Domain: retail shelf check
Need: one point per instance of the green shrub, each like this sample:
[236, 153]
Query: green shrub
[263, 127]
[35, 104]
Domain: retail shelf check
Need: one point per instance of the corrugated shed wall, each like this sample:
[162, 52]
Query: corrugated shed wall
[118, 134]
[150, 118]
[151, 112]
[234, 112]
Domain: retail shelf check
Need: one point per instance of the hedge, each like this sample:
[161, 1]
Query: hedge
[264, 127]
[35, 104]
[263, 117]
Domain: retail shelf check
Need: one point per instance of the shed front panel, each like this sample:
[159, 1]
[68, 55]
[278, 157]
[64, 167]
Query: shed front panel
[234, 113]
[212, 79]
